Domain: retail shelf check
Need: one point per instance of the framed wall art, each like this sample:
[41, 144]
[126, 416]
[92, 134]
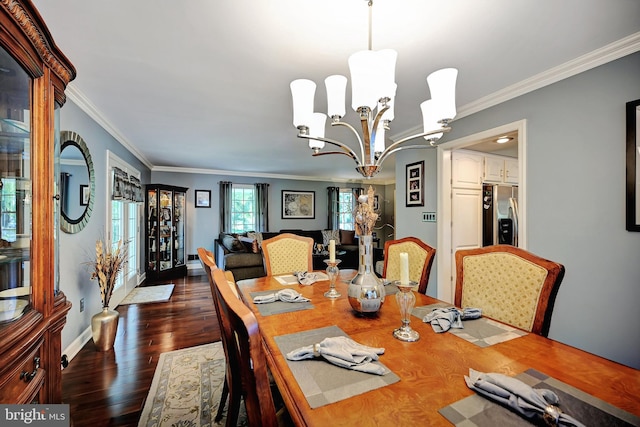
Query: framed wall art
[203, 198]
[415, 184]
[298, 204]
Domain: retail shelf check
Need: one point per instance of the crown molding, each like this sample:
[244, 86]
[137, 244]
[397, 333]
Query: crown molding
[92, 111]
[608, 53]
[373, 181]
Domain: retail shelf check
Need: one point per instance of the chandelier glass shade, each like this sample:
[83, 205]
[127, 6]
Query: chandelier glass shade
[373, 91]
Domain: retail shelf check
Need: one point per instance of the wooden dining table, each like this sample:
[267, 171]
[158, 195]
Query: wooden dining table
[431, 370]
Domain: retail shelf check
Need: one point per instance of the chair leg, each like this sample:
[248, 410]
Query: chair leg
[235, 394]
[223, 400]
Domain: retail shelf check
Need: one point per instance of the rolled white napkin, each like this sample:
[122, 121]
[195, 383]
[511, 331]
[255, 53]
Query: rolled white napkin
[520, 397]
[344, 352]
[285, 295]
[306, 278]
[443, 319]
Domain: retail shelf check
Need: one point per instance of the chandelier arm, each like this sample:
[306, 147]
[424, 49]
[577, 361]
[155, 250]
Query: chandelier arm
[345, 148]
[324, 153]
[355, 132]
[392, 148]
[395, 150]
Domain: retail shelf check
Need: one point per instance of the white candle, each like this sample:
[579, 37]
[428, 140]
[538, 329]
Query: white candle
[332, 251]
[404, 268]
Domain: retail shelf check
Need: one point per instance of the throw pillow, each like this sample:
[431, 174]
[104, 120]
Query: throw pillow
[250, 243]
[328, 235]
[257, 236]
[347, 237]
[232, 244]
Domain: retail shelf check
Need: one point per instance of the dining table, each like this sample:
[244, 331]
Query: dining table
[426, 384]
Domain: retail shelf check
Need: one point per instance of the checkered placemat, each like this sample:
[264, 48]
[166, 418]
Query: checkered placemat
[477, 411]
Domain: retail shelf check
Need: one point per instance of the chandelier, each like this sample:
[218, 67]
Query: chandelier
[373, 90]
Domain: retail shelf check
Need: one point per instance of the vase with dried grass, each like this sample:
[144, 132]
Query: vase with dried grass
[105, 269]
[366, 291]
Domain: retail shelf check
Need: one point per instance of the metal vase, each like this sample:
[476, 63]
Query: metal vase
[104, 326]
[366, 290]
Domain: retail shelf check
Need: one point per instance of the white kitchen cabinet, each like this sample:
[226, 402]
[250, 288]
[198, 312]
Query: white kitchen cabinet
[500, 169]
[466, 169]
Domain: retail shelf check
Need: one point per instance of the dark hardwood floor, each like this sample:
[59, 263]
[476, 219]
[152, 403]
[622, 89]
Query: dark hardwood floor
[109, 389]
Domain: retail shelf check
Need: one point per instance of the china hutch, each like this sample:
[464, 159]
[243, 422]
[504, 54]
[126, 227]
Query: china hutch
[165, 210]
[33, 76]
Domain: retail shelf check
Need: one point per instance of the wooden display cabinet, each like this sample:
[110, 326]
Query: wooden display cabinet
[33, 76]
[165, 230]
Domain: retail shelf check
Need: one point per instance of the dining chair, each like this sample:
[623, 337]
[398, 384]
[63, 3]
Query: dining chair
[287, 253]
[509, 284]
[246, 355]
[421, 258]
[209, 265]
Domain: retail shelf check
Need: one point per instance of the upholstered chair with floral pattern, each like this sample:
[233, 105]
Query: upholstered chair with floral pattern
[421, 258]
[287, 253]
[509, 284]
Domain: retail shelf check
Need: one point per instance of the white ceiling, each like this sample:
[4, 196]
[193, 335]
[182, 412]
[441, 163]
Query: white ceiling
[204, 84]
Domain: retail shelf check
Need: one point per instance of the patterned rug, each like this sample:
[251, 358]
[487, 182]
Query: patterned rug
[144, 294]
[186, 389]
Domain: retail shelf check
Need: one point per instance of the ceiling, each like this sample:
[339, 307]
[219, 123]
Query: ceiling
[203, 85]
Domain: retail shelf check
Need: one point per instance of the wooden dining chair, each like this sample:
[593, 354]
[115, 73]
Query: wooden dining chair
[509, 284]
[228, 388]
[286, 253]
[246, 355]
[421, 258]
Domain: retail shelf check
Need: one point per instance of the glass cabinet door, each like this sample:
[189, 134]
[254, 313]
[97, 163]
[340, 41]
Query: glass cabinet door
[179, 205]
[166, 230]
[152, 232]
[15, 189]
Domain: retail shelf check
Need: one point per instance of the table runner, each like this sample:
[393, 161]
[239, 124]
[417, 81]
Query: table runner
[320, 381]
[477, 411]
[279, 307]
[482, 332]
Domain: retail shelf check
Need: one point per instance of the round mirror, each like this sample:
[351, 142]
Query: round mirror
[77, 183]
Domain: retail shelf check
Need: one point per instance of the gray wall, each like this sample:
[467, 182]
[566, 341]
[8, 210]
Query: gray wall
[576, 202]
[77, 249]
[203, 223]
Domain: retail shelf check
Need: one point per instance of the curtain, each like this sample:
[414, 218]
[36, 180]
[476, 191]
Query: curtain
[64, 191]
[137, 195]
[225, 205]
[121, 185]
[333, 208]
[126, 187]
[261, 207]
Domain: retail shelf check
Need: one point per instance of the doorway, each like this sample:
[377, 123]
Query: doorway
[446, 253]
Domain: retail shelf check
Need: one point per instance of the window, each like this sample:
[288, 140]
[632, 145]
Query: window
[243, 208]
[345, 209]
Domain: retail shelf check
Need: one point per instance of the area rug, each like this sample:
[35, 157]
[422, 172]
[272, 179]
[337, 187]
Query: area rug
[144, 294]
[186, 389]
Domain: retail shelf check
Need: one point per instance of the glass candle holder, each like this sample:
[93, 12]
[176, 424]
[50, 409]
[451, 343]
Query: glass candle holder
[332, 272]
[406, 301]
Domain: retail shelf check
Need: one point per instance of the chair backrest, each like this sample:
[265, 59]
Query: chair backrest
[240, 331]
[286, 253]
[509, 284]
[421, 258]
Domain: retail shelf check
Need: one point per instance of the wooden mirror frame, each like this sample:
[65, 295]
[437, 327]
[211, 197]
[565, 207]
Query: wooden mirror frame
[68, 225]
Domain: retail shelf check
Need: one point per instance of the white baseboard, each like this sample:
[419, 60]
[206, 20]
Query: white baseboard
[77, 344]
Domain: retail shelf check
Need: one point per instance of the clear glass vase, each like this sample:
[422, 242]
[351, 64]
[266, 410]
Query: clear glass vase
[366, 290]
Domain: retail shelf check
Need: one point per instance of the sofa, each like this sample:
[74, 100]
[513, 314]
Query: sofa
[242, 254]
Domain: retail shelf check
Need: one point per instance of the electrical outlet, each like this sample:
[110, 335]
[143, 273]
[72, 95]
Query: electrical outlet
[81, 305]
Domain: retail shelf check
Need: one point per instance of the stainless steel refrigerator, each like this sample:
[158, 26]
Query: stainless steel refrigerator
[499, 214]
